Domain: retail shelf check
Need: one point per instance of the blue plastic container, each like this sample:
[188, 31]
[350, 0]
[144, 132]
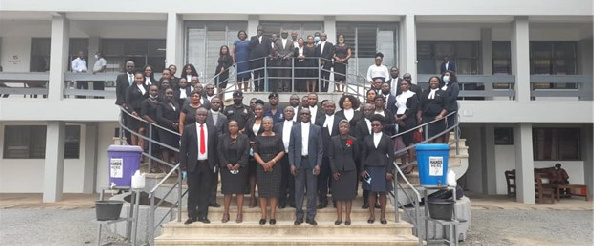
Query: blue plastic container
[433, 164]
[123, 161]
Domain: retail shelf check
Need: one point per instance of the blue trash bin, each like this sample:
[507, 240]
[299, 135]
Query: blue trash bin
[123, 161]
[432, 159]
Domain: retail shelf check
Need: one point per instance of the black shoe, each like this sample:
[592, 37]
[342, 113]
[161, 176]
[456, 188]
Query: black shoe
[189, 221]
[262, 221]
[365, 206]
[204, 220]
[297, 222]
[311, 222]
[272, 221]
[214, 204]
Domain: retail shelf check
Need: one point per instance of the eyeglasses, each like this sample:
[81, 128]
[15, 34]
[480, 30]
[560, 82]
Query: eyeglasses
[304, 113]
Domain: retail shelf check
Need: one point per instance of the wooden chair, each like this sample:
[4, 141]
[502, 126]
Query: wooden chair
[511, 185]
[544, 191]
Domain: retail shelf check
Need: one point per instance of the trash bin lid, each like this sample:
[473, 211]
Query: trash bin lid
[124, 148]
[432, 146]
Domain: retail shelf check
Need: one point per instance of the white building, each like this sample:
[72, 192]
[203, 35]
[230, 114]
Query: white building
[532, 62]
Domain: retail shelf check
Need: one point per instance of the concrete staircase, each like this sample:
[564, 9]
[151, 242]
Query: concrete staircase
[285, 232]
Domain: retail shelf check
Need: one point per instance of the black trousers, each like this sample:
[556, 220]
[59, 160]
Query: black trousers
[213, 188]
[273, 71]
[324, 181]
[325, 71]
[285, 83]
[287, 192]
[259, 74]
[199, 183]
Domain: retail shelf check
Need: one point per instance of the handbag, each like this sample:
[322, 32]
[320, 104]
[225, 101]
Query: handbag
[418, 135]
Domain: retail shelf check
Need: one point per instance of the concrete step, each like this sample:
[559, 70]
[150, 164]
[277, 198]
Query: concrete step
[285, 228]
[289, 240]
[327, 214]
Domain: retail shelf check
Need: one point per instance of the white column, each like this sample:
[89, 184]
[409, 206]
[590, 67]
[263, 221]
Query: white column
[587, 156]
[486, 56]
[252, 25]
[58, 57]
[91, 156]
[520, 58]
[523, 134]
[329, 29]
[174, 40]
[54, 165]
[408, 47]
[489, 156]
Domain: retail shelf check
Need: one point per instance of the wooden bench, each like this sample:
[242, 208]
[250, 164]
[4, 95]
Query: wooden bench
[544, 191]
[511, 185]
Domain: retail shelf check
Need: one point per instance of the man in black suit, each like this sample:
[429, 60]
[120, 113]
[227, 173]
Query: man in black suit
[295, 103]
[197, 155]
[362, 130]
[329, 124]
[376, 85]
[123, 81]
[287, 193]
[305, 155]
[325, 52]
[447, 65]
[285, 49]
[219, 121]
[259, 48]
[395, 82]
[183, 92]
[414, 87]
[390, 101]
[315, 110]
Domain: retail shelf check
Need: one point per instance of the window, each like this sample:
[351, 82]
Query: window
[366, 39]
[503, 136]
[140, 51]
[203, 40]
[431, 54]
[40, 53]
[29, 141]
[501, 57]
[556, 144]
[553, 58]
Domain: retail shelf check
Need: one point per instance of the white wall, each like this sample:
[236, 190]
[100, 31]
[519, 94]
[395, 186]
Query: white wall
[16, 54]
[505, 161]
[106, 132]
[27, 175]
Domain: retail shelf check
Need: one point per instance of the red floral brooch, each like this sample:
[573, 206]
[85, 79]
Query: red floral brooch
[349, 143]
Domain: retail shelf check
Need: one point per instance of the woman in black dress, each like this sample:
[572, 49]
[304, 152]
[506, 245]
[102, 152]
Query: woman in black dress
[344, 155]
[149, 76]
[232, 150]
[310, 54]
[301, 64]
[349, 105]
[377, 166]
[341, 55]
[188, 111]
[254, 128]
[268, 151]
[168, 117]
[188, 72]
[149, 114]
[224, 63]
[407, 106]
[433, 107]
[136, 94]
[452, 90]
[389, 127]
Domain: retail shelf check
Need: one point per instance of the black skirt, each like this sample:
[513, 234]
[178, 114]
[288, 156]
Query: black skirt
[344, 188]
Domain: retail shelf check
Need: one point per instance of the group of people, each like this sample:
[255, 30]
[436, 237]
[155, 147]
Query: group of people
[288, 153]
[312, 58]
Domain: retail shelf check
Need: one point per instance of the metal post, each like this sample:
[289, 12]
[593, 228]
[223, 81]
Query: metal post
[319, 67]
[396, 214]
[456, 137]
[427, 132]
[293, 74]
[265, 74]
[418, 217]
[130, 217]
[179, 193]
[121, 126]
[151, 220]
[150, 147]
[135, 218]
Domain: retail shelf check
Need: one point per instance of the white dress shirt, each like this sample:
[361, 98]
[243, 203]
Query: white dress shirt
[369, 126]
[78, 65]
[188, 78]
[328, 123]
[182, 93]
[313, 113]
[202, 157]
[148, 81]
[283, 42]
[431, 94]
[304, 130]
[375, 71]
[382, 112]
[285, 134]
[130, 78]
[256, 127]
[349, 114]
[401, 101]
[296, 109]
[215, 116]
[377, 138]
[99, 64]
[142, 88]
[394, 86]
